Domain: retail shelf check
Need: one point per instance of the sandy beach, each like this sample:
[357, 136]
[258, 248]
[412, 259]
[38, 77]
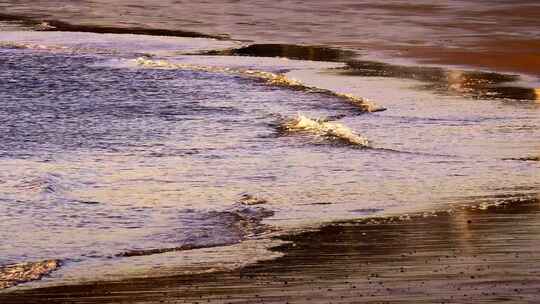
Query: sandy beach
[472, 255]
[250, 152]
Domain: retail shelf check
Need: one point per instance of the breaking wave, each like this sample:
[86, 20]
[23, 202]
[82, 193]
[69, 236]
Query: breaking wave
[324, 129]
[274, 79]
[57, 48]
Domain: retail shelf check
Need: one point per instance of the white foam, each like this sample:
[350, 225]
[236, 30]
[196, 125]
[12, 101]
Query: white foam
[118, 43]
[326, 129]
[278, 79]
[205, 260]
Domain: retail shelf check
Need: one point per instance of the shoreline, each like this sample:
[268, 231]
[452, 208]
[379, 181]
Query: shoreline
[500, 53]
[482, 254]
[485, 254]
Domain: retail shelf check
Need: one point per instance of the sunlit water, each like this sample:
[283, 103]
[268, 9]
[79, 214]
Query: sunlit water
[101, 155]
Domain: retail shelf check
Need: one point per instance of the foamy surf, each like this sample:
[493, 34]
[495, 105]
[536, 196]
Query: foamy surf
[14, 274]
[147, 188]
[324, 129]
[270, 78]
[167, 264]
[222, 241]
[129, 44]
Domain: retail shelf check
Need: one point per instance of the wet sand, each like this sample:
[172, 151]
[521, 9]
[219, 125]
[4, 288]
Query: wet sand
[519, 55]
[471, 255]
[474, 84]
[499, 36]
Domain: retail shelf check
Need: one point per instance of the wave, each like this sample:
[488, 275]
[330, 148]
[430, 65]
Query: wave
[14, 274]
[325, 129]
[474, 84]
[219, 228]
[58, 49]
[274, 79]
[32, 46]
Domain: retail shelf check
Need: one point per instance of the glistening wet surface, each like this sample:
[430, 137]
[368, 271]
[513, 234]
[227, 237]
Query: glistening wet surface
[473, 255]
[120, 155]
[463, 82]
[290, 51]
[473, 84]
[497, 35]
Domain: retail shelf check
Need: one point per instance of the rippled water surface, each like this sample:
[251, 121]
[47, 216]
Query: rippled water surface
[107, 162]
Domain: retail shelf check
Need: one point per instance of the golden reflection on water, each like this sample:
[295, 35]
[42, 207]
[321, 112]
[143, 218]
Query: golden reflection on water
[470, 84]
[459, 81]
[295, 175]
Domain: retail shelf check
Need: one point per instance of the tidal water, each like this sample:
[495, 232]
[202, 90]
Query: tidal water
[128, 155]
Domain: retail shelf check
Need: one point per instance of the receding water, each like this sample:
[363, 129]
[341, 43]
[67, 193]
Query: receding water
[111, 159]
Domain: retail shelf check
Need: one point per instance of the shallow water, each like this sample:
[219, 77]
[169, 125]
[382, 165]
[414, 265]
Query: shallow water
[104, 158]
[474, 255]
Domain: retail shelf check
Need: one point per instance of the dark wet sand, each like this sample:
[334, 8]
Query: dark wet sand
[520, 55]
[290, 51]
[499, 36]
[474, 84]
[469, 256]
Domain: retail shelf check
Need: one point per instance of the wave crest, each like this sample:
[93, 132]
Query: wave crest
[270, 78]
[325, 129]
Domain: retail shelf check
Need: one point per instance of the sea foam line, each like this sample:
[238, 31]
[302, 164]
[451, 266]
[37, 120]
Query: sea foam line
[362, 104]
[56, 49]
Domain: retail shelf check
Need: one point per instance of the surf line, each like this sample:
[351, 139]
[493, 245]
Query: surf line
[363, 104]
[324, 129]
[328, 129]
